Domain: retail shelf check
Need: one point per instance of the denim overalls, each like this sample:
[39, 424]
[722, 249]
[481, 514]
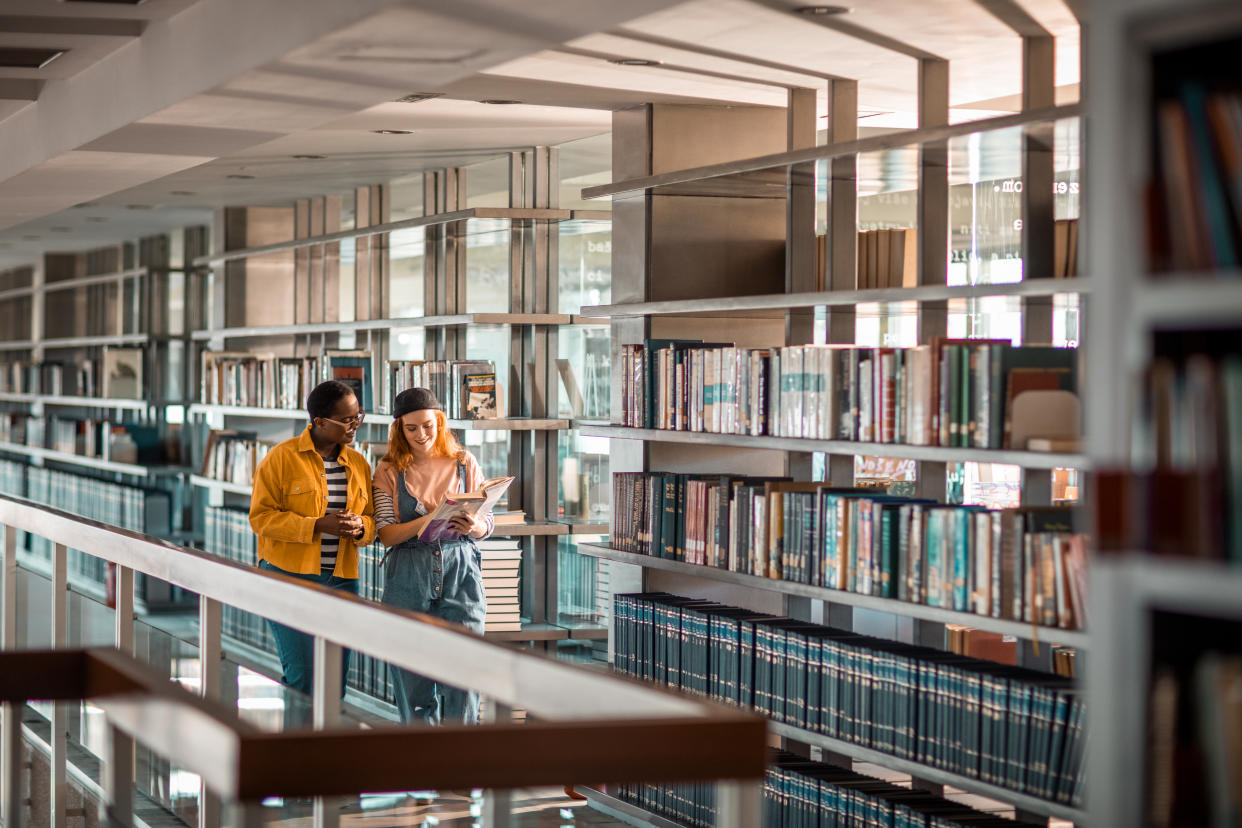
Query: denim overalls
[443, 579]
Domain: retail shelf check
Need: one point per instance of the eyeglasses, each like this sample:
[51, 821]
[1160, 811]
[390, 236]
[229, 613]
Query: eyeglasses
[346, 424]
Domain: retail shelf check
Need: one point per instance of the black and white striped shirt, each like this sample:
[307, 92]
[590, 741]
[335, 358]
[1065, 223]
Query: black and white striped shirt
[337, 478]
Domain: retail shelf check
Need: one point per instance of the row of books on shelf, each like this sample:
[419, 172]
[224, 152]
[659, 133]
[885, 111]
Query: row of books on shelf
[888, 257]
[128, 507]
[116, 374]
[1026, 564]
[1188, 495]
[96, 439]
[1195, 213]
[1007, 726]
[233, 455]
[467, 389]
[801, 793]
[968, 393]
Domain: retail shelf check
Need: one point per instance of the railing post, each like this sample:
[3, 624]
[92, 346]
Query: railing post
[497, 804]
[210, 627]
[326, 696]
[125, 609]
[58, 802]
[11, 808]
[117, 808]
[739, 803]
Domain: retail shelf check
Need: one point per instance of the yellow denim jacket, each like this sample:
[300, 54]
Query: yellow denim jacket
[290, 494]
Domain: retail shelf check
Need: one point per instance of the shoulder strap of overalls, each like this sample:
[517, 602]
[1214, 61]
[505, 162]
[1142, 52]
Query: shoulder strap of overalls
[461, 475]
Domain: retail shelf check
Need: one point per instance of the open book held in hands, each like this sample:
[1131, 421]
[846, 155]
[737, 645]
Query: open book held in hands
[463, 503]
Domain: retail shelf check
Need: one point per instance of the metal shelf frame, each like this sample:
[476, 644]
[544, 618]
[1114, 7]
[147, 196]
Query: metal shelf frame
[783, 160]
[98, 279]
[89, 462]
[220, 485]
[938, 454]
[1070, 638]
[441, 321]
[94, 341]
[779, 302]
[501, 213]
[497, 424]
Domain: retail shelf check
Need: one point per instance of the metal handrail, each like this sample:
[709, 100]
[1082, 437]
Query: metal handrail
[241, 762]
[584, 722]
[414, 641]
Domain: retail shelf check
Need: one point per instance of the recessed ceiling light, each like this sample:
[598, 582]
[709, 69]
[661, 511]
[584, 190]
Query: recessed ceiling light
[634, 62]
[393, 131]
[499, 102]
[239, 176]
[17, 57]
[305, 157]
[823, 11]
[59, 229]
[419, 96]
[181, 192]
[137, 206]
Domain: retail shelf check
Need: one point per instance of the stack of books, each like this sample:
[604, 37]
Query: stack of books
[502, 563]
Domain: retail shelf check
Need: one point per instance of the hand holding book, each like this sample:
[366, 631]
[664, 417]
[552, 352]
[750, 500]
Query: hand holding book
[459, 511]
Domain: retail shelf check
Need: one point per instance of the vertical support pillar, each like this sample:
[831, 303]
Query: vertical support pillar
[739, 803]
[842, 258]
[117, 806]
[933, 258]
[301, 263]
[11, 807]
[58, 801]
[210, 657]
[326, 700]
[498, 804]
[125, 609]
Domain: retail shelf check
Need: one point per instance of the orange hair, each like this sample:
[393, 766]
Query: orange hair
[399, 454]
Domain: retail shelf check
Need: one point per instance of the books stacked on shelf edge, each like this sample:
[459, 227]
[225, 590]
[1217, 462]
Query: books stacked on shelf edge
[501, 565]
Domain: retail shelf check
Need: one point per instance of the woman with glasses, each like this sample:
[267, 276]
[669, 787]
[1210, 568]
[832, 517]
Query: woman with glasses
[311, 510]
[425, 463]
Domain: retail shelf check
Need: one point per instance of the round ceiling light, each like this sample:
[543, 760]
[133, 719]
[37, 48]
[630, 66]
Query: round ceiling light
[633, 62]
[239, 176]
[499, 102]
[393, 131]
[306, 157]
[823, 11]
[181, 193]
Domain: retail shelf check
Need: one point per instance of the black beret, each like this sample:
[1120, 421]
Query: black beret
[414, 399]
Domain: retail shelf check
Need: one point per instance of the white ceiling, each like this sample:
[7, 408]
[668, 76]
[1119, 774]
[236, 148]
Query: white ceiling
[154, 109]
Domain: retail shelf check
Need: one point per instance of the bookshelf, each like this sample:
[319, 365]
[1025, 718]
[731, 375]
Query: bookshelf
[1170, 308]
[755, 286]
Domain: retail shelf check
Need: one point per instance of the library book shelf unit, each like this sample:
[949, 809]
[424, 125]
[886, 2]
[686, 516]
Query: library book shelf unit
[477, 284]
[717, 286]
[83, 388]
[1165, 689]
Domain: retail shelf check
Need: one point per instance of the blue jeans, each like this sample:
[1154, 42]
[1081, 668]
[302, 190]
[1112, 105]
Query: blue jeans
[297, 649]
[444, 580]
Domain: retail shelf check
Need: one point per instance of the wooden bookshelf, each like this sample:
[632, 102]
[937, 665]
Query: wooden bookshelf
[939, 454]
[906, 609]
